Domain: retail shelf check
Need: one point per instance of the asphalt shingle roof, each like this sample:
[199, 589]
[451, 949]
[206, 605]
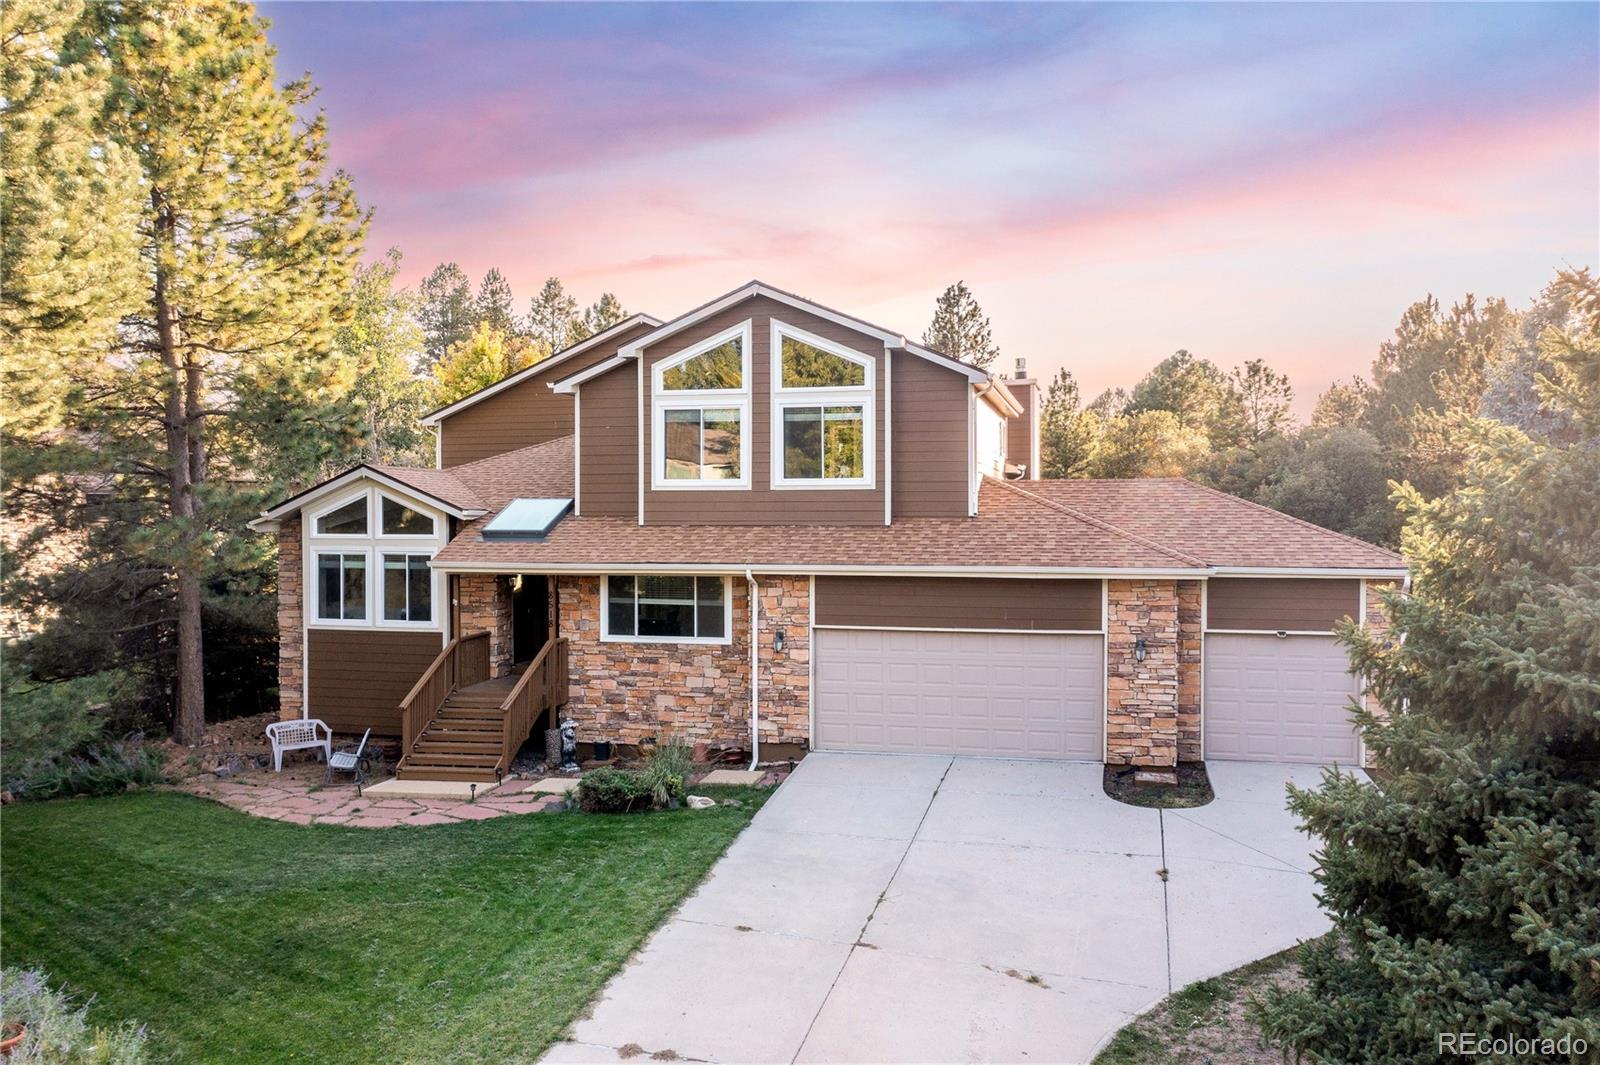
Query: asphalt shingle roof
[1162, 524]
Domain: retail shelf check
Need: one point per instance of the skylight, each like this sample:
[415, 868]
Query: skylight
[526, 519]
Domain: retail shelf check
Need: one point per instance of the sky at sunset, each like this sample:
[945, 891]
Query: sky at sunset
[1114, 182]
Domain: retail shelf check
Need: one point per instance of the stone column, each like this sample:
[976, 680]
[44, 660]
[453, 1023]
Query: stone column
[1189, 670]
[785, 692]
[1142, 697]
[291, 620]
[485, 600]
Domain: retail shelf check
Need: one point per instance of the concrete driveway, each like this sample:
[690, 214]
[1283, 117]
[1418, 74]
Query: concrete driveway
[888, 908]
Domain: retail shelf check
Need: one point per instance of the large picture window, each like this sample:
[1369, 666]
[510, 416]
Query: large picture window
[701, 411]
[667, 609]
[366, 561]
[341, 586]
[822, 412]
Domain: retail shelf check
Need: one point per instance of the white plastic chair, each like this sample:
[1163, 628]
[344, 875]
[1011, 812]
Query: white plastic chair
[348, 760]
[299, 735]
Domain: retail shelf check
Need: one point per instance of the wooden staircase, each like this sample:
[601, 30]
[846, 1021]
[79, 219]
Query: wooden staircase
[463, 740]
[462, 725]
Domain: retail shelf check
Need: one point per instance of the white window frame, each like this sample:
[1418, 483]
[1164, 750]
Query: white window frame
[342, 501]
[404, 552]
[314, 614]
[863, 395]
[737, 399]
[373, 544]
[377, 512]
[605, 614]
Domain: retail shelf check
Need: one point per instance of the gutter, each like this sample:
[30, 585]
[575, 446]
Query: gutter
[755, 669]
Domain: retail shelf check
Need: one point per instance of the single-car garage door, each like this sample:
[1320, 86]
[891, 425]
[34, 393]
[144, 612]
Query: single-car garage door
[1278, 699]
[1022, 695]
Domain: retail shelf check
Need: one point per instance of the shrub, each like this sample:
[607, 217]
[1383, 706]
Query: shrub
[56, 1032]
[665, 771]
[102, 769]
[45, 720]
[609, 790]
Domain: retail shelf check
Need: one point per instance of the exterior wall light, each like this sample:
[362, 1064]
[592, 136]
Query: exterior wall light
[777, 640]
[1138, 649]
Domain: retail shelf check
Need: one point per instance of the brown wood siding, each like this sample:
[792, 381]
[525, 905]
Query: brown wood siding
[1019, 430]
[761, 504]
[525, 414]
[1272, 604]
[958, 603]
[608, 444]
[357, 677]
[930, 439]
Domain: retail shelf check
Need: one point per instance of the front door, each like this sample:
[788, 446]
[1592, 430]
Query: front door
[530, 615]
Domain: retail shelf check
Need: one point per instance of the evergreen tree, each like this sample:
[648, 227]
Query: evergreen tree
[1464, 884]
[493, 306]
[1343, 405]
[1147, 443]
[960, 329]
[1258, 400]
[553, 321]
[601, 315]
[69, 216]
[1066, 433]
[478, 362]
[445, 311]
[223, 381]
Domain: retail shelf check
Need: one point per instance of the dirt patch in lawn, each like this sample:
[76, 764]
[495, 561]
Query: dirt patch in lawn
[1192, 789]
[1206, 1022]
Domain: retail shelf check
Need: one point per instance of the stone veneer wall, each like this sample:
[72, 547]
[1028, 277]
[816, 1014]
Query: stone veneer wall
[1189, 670]
[1142, 697]
[485, 604]
[291, 620]
[694, 693]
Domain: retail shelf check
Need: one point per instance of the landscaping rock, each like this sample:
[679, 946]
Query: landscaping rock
[1156, 776]
[701, 802]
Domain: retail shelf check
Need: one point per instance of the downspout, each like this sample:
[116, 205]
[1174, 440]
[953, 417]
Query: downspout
[755, 668]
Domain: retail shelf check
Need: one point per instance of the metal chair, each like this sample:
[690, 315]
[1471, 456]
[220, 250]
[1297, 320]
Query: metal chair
[350, 760]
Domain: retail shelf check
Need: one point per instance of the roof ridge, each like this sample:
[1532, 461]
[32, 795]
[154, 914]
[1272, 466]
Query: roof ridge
[1289, 517]
[1102, 524]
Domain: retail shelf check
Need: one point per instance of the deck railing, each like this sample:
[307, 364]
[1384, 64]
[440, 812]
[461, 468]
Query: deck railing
[464, 661]
[542, 686]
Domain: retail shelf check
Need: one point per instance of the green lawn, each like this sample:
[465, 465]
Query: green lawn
[245, 940]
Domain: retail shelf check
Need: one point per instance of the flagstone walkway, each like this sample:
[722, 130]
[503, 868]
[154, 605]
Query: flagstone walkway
[299, 796]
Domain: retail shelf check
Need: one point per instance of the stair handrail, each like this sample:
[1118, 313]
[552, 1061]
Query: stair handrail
[546, 676]
[461, 662]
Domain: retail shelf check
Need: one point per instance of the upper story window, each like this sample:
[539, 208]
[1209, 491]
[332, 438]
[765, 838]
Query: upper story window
[822, 412]
[700, 414]
[367, 562]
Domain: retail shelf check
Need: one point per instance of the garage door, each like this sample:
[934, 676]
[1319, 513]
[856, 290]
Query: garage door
[983, 693]
[1278, 699]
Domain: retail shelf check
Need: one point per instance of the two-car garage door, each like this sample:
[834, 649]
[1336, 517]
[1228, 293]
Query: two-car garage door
[1022, 695]
[1009, 668]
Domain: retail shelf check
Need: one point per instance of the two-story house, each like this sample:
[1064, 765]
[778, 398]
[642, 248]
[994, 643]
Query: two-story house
[769, 524]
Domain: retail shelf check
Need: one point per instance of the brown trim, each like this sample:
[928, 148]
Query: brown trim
[1273, 604]
[959, 603]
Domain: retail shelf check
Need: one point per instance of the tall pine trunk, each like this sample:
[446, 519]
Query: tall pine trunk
[186, 468]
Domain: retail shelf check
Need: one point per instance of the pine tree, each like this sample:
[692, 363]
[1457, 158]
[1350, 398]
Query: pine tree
[1257, 403]
[445, 311]
[493, 306]
[69, 214]
[1464, 885]
[1343, 405]
[960, 329]
[1066, 433]
[601, 315]
[223, 380]
[552, 320]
